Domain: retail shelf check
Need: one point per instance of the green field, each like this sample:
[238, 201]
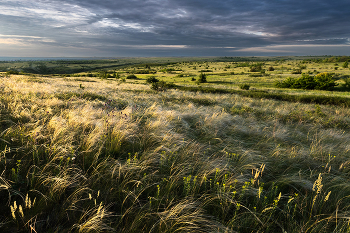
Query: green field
[85, 147]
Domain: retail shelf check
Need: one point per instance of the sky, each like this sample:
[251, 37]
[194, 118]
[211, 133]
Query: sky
[166, 28]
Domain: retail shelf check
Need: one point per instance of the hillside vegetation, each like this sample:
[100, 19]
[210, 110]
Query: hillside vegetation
[97, 151]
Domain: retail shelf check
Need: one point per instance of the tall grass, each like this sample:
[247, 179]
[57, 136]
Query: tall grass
[122, 158]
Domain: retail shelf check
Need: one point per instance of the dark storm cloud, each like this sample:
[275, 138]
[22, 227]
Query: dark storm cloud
[173, 27]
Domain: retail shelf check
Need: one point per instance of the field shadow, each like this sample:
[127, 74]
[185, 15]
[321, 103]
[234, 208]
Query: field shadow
[221, 82]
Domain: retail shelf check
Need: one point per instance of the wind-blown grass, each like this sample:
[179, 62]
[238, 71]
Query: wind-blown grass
[125, 160]
[305, 98]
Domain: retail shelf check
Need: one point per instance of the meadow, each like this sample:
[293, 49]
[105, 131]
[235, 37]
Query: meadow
[99, 150]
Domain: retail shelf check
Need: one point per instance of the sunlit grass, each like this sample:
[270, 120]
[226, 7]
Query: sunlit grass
[115, 156]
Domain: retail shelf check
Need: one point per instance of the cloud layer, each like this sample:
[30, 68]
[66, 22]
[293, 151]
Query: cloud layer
[173, 27]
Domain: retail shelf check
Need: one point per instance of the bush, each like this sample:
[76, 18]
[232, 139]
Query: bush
[271, 68]
[12, 72]
[347, 83]
[346, 64]
[298, 71]
[103, 74]
[168, 70]
[161, 86]
[256, 67]
[287, 83]
[152, 79]
[202, 78]
[305, 82]
[244, 86]
[322, 81]
[131, 76]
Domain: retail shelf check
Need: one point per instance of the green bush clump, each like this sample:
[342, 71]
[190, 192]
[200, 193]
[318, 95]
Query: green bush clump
[347, 83]
[168, 70]
[131, 76]
[12, 72]
[103, 74]
[202, 78]
[256, 67]
[152, 79]
[298, 71]
[161, 86]
[346, 64]
[322, 81]
[244, 86]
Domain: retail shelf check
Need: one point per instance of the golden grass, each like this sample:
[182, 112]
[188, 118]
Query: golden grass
[171, 161]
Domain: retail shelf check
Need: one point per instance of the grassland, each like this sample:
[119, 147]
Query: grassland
[91, 153]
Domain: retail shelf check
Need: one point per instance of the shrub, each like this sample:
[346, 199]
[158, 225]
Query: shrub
[202, 78]
[103, 74]
[243, 64]
[12, 72]
[161, 86]
[324, 81]
[298, 71]
[244, 86]
[256, 67]
[152, 79]
[271, 68]
[347, 83]
[346, 64]
[287, 83]
[131, 76]
[304, 82]
[168, 70]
